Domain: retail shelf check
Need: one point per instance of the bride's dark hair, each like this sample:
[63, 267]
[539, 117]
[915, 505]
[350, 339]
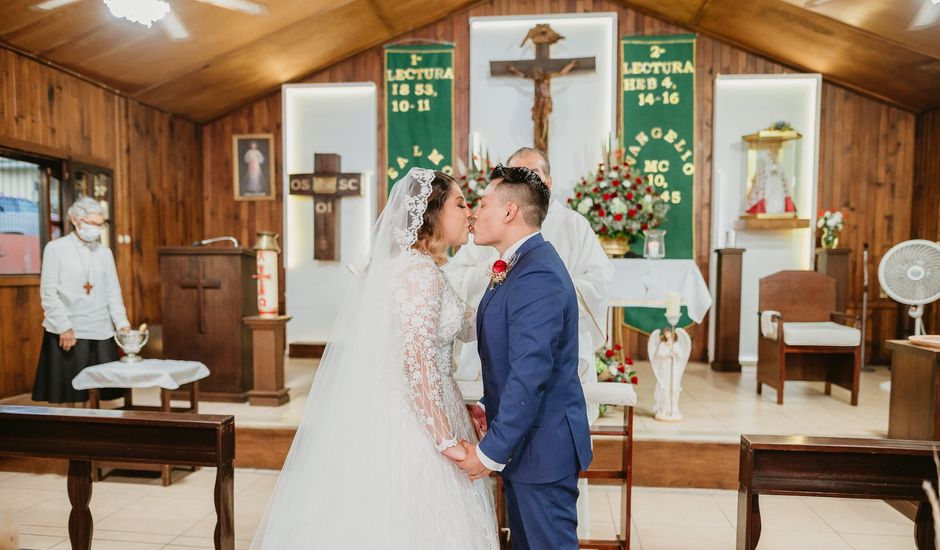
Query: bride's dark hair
[429, 233]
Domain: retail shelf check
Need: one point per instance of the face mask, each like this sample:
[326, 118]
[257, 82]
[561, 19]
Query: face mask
[89, 233]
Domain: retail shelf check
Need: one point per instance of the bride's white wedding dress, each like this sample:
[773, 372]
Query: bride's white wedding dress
[365, 469]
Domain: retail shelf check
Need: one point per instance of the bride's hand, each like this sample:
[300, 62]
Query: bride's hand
[455, 453]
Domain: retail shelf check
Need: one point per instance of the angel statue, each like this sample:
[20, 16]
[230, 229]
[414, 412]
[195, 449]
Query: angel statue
[669, 353]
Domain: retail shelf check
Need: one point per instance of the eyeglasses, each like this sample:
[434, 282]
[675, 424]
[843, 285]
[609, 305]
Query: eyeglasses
[96, 224]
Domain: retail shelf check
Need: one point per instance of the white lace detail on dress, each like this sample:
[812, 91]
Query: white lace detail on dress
[417, 205]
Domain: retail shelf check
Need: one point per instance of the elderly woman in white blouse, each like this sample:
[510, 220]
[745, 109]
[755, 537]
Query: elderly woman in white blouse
[82, 303]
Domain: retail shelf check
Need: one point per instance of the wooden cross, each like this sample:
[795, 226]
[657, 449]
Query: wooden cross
[88, 286]
[326, 184]
[541, 70]
[201, 284]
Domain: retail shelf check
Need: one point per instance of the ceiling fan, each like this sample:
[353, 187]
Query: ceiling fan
[147, 12]
[927, 15]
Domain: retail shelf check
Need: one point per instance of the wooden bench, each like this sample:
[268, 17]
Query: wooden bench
[888, 469]
[85, 435]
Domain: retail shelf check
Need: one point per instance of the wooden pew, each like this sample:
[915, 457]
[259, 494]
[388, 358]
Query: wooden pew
[887, 469]
[85, 435]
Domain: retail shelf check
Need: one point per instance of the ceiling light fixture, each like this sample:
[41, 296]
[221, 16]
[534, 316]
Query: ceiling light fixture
[144, 12]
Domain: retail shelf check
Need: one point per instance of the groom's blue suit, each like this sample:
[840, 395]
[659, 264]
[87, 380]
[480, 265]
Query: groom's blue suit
[528, 344]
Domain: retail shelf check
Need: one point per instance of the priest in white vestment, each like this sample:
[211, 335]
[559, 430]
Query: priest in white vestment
[588, 265]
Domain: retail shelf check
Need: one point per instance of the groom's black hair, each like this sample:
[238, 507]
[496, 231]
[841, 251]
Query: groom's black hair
[528, 191]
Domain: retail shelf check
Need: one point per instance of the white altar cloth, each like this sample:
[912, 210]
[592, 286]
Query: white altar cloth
[147, 373]
[639, 282]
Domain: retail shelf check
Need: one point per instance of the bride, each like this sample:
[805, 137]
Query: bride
[370, 466]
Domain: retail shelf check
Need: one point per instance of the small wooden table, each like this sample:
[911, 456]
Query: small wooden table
[915, 401]
[165, 374]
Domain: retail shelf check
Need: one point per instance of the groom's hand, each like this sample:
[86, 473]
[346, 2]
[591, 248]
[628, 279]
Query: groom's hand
[471, 465]
[478, 418]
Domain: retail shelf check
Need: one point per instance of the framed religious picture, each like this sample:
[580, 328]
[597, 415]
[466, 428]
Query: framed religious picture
[253, 167]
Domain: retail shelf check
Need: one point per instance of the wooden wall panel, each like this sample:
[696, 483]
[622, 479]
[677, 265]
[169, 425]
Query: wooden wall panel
[164, 160]
[926, 195]
[157, 195]
[866, 149]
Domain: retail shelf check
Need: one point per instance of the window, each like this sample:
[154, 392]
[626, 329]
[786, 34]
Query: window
[23, 185]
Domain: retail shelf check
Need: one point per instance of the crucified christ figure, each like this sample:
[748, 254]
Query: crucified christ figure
[542, 107]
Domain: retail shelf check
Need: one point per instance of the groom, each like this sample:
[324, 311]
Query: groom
[527, 324]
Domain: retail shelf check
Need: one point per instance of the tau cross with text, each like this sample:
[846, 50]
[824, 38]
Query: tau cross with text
[326, 184]
[541, 70]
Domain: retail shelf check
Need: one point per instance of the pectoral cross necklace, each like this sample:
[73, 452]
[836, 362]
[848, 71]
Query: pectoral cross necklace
[86, 267]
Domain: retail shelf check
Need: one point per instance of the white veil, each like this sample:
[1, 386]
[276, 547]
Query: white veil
[350, 450]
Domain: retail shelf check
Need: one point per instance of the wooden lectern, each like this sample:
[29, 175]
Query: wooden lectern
[206, 292]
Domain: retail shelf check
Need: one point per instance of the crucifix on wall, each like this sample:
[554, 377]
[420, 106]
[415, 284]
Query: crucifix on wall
[541, 70]
[327, 185]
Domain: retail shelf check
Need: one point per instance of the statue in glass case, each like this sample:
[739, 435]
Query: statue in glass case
[771, 169]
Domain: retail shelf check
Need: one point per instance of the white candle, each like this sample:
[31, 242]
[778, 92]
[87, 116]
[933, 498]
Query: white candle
[654, 249]
[672, 304]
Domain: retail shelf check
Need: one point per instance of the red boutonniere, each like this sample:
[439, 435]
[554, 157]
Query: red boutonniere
[499, 273]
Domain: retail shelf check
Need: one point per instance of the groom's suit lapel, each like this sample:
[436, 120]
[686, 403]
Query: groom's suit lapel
[527, 246]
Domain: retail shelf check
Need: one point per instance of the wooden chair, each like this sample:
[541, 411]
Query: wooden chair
[608, 392]
[807, 343]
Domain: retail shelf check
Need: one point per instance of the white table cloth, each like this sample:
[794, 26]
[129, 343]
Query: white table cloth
[149, 373]
[639, 282]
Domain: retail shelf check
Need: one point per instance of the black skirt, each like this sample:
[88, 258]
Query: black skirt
[58, 367]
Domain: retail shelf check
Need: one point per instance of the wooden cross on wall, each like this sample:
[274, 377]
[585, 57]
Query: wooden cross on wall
[326, 184]
[201, 284]
[541, 70]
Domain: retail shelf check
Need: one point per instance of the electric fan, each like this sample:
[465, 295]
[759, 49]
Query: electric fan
[910, 274]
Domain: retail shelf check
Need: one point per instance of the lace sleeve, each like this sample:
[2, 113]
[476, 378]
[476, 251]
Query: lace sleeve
[417, 301]
[468, 332]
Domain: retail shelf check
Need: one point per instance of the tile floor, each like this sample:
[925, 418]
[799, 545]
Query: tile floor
[146, 516]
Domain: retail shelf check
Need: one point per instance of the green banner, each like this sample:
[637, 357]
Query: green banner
[657, 135]
[419, 108]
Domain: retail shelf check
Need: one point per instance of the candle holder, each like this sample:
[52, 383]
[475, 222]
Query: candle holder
[654, 248]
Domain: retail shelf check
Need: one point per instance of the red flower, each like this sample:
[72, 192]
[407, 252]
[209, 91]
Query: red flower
[644, 226]
[606, 196]
[569, 200]
[649, 189]
[620, 368]
[600, 178]
[639, 179]
[463, 177]
[499, 266]
[615, 183]
[618, 217]
[603, 230]
[597, 189]
[578, 194]
[632, 213]
[821, 213]
[601, 213]
[615, 168]
[628, 361]
[609, 353]
[618, 347]
[634, 380]
[629, 196]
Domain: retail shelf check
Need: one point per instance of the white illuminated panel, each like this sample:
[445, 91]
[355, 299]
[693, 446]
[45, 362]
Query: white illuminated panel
[325, 118]
[745, 104]
[584, 103]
